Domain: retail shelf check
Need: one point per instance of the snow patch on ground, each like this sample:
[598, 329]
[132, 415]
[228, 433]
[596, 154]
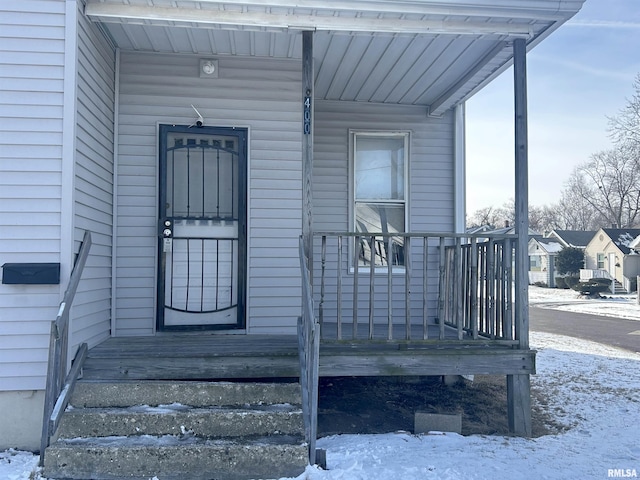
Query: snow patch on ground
[620, 306]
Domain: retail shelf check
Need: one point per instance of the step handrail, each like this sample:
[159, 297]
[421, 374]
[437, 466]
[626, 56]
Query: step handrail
[58, 350]
[309, 352]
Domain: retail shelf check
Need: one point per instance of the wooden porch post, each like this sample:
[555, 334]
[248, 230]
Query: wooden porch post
[518, 386]
[307, 144]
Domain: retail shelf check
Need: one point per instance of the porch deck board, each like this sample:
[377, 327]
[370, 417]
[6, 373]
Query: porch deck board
[208, 356]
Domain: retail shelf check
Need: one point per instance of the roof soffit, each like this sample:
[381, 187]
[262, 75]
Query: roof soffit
[433, 54]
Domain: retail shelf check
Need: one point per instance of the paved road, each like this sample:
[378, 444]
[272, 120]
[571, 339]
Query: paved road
[618, 332]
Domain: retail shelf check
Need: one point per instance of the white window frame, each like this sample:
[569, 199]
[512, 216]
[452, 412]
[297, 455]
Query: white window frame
[353, 135]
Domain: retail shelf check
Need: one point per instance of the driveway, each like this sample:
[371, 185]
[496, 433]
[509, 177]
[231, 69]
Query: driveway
[618, 332]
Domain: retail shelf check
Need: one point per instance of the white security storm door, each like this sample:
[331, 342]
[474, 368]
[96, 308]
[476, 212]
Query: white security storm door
[202, 228]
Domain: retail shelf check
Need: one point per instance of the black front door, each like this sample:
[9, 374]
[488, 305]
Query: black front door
[202, 228]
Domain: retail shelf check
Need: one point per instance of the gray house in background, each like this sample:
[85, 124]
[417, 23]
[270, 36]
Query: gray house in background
[199, 141]
[572, 238]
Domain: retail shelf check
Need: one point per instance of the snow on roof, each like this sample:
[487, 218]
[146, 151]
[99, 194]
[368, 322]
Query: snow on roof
[552, 247]
[622, 237]
[549, 246]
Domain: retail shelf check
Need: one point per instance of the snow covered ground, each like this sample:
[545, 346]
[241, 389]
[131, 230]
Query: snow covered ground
[592, 389]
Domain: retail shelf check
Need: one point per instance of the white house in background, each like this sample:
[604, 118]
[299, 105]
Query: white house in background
[542, 252]
[610, 254]
[198, 140]
[542, 259]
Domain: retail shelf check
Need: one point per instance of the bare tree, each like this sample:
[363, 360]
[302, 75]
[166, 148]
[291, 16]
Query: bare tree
[546, 218]
[495, 217]
[625, 127]
[573, 212]
[609, 184]
[606, 189]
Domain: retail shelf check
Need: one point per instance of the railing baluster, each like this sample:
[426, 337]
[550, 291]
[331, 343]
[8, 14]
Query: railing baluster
[407, 289]
[508, 268]
[372, 267]
[474, 289]
[425, 281]
[499, 291]
[483, 284]
[389, 288]
[459, 295]
[491, 282]
[356, 262]
[339, 292]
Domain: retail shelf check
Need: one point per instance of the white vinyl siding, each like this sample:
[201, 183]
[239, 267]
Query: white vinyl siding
[430, 173]
[32, 72]
[259, 94]
[91, 316]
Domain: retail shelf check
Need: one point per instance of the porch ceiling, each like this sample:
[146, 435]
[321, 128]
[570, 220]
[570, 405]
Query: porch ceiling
[418, 52]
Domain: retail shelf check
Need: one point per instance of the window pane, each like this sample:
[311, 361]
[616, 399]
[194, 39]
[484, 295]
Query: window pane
[379, 169]
[380, 218]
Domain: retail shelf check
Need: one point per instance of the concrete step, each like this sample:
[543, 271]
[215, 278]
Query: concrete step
[179, 430]
[195, 394]
[171, 459]
[177, 419]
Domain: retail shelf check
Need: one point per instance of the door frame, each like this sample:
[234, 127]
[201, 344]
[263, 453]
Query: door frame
[241, 282]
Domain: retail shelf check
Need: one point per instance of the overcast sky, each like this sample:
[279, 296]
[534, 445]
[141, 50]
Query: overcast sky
[577, 77]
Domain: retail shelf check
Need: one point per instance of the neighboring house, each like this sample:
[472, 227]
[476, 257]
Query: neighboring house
[197, 141]
[542, 258]
[609, 255]
[542, 253]
[572, 238]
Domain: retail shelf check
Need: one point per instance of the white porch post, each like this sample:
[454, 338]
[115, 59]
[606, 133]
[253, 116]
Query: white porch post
[459, 168]
[307, 142]
[518, 386]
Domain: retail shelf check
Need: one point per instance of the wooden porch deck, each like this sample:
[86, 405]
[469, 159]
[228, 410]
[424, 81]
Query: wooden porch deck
[216, 356]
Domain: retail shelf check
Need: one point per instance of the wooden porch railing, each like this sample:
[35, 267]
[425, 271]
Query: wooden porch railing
[454, 288]
[309, 351]
[60, 384]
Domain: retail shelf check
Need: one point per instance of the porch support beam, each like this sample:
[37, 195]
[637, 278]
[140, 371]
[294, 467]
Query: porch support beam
[307, 144]
[518, 386]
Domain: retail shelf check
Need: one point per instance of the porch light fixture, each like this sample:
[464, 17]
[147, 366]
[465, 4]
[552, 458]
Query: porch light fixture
[208, 68]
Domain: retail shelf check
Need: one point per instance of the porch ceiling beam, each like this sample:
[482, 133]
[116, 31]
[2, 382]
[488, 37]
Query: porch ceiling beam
[547, 10]
[146, 14]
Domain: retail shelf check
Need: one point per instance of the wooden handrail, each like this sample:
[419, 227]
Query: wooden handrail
[309, 352]
[58, 350]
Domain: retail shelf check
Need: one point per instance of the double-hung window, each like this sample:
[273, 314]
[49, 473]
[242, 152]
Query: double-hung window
[380, 163]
